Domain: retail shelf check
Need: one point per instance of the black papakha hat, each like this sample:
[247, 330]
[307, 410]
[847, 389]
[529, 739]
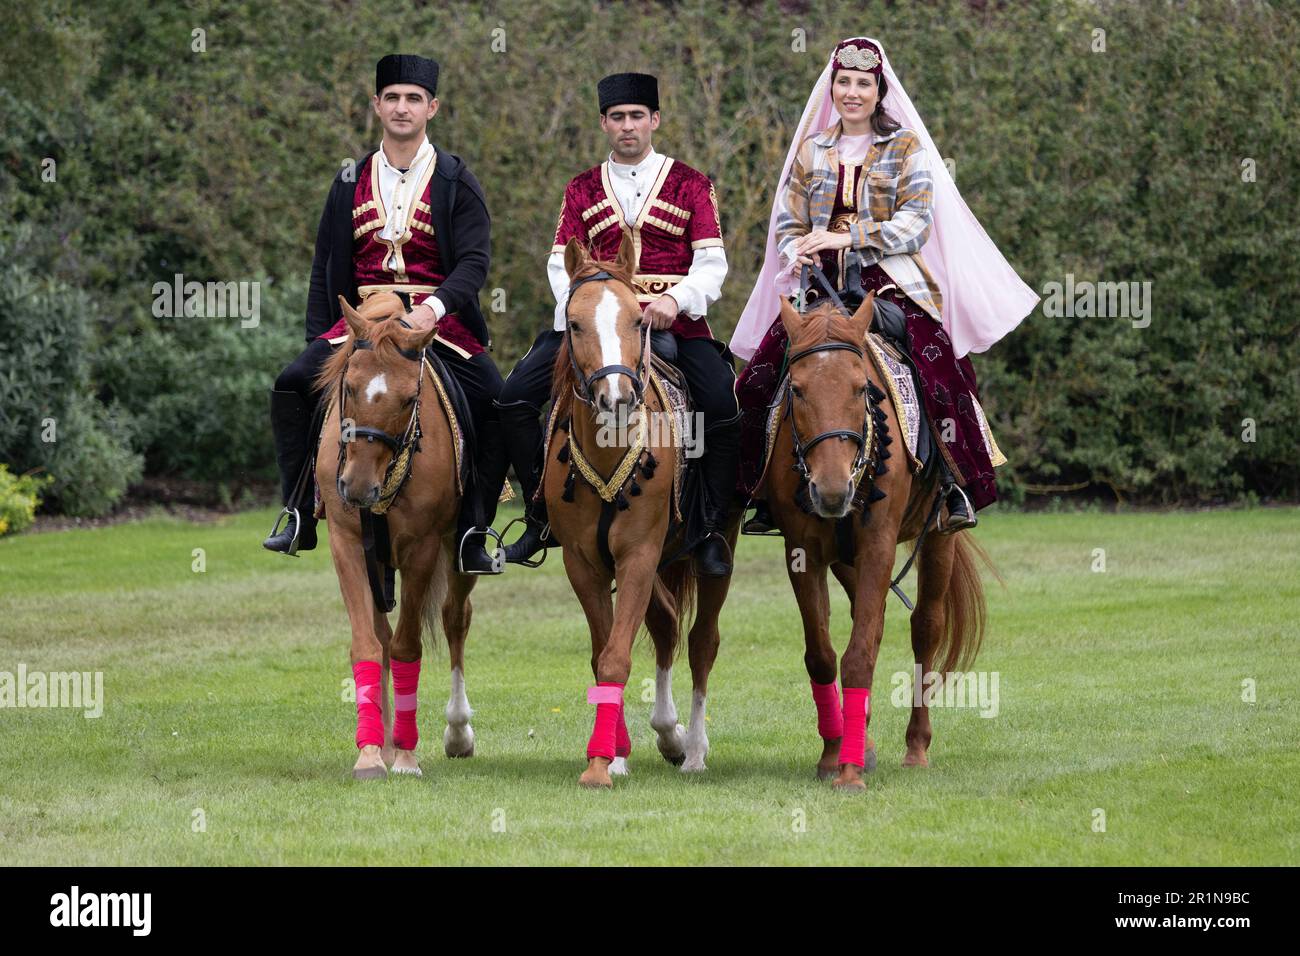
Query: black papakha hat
[622, 88]
[407, 68]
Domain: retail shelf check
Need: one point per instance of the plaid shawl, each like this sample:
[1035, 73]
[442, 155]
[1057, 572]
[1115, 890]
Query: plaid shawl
[895, 207]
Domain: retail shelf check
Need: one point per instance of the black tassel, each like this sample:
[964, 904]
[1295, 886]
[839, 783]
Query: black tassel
[874, 495]
[882, 455]
[620, 501]
[886, 440]
[650, 460]
[563, 454]
[634, 489]
[880, 469]
[876, 394]
[568, 487]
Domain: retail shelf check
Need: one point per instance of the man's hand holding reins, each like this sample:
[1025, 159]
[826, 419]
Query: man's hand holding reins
[662, 312]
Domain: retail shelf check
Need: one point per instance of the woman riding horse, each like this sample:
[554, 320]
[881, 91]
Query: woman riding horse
[867, 200]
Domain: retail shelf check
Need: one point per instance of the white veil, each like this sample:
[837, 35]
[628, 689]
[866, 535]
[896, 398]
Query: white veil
[983, 297]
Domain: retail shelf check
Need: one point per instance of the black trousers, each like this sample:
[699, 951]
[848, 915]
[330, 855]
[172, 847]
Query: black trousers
[703, 362]
[478, 378]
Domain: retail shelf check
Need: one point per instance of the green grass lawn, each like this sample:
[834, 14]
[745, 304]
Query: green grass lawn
[1120, 691]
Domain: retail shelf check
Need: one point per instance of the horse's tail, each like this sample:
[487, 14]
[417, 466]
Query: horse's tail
[964, 610]
[434, 597]
[674, 592]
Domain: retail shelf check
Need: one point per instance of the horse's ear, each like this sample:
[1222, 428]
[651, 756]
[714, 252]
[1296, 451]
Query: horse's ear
[861, 320]
[575, 258]
[626, 258]
[790, 318]
[416, 340]
[356, 324]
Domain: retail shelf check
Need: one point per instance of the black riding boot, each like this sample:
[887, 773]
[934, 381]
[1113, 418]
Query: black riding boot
[718, 471]
[762, 522]
[521, 423]
[291, 421]
[492, 465]
[960, 513]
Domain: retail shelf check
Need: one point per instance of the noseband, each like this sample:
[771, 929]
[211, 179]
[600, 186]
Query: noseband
[637, 375]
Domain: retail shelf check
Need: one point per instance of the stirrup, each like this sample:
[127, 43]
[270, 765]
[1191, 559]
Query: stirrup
[288, 512]
[971, 521]
[498, 556]
[544, 537]
[773, 533]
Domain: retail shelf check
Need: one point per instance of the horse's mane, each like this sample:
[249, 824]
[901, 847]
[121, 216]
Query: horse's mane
[562, 371]
[383, 309]
[824, 323]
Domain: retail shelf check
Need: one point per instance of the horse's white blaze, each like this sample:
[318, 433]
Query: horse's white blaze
[611, 349]
[697, 741]
[375, 387]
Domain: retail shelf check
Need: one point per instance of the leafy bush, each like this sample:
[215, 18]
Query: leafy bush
[1165, 153]
[19, 497]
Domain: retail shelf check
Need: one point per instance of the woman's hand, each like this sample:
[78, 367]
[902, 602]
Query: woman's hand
[805, 247]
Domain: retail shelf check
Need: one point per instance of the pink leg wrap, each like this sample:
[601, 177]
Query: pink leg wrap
[370, 722]
[406, 681]
[853, 748]
[622, 742]
[830, 722]
[608, 698]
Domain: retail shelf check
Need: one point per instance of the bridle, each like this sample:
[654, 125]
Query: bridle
[583, 383]
[410, 438]
[863, 436]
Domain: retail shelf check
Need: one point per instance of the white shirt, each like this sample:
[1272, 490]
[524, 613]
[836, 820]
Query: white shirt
[632, 183]
[397, 193]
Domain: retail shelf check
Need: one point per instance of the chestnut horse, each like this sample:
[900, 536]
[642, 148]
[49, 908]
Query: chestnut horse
[380, 390]
[600, 380]
[834, 394]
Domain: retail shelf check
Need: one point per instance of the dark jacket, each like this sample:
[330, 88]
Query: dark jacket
[460, 223]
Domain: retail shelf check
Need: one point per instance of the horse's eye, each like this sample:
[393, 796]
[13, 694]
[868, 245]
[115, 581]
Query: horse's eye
[409, 402]
[798, 392]
[575, 327]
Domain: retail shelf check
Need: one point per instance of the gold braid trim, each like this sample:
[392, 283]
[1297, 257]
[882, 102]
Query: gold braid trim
[608, 490]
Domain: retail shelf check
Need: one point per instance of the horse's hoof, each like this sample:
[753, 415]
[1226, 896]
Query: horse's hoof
[915, 760]
[826, 773]
[850, 780]
[871, 761]
[369, 773]
[676, 740]
[693, 765]
[405, 763]
[457, 744]
[596, 776]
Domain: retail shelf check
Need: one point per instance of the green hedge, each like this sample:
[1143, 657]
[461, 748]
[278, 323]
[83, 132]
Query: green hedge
[1116, 166]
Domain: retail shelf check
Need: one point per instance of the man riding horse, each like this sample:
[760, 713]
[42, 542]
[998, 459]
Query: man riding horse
[670, 211]
[409, 219]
